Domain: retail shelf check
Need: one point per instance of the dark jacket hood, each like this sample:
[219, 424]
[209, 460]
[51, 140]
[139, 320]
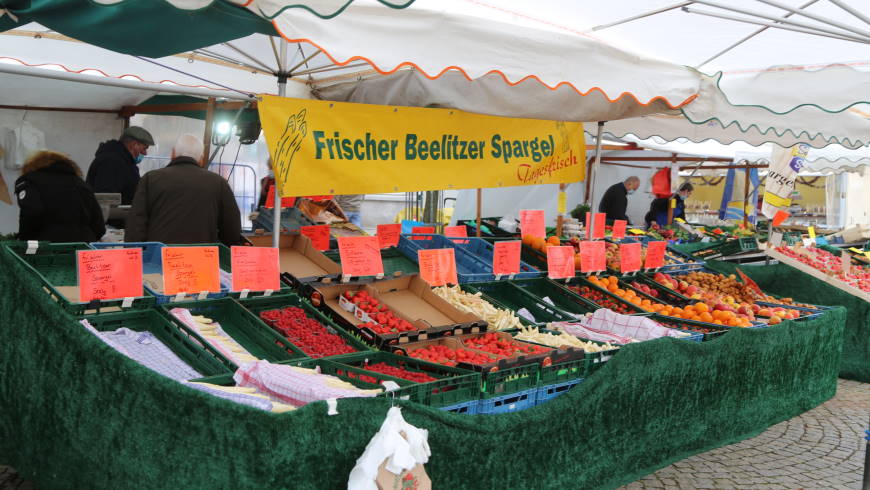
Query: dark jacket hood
[46, 159]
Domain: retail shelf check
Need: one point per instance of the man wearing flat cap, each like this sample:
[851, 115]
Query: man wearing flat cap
[115, 169]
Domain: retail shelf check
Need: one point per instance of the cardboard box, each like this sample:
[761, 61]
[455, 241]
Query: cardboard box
[300, 259]
[410, 298]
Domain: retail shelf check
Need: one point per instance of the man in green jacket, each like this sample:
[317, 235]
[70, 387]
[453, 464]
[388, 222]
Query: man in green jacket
[184, 202]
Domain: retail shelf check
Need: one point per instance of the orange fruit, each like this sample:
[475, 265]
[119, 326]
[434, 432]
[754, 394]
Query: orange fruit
[705, 317]
[701, 307]
[554, 240]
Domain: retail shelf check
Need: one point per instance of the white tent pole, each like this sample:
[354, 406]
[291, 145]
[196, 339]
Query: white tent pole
[250, 57]
[851, 10]
[641, 16]
[282, 91]
[120, 83]
[594, 171]
[817, 17]
[748, 37]
[777, 26]
[755, 13]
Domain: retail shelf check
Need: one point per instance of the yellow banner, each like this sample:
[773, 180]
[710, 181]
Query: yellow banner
[321, 147]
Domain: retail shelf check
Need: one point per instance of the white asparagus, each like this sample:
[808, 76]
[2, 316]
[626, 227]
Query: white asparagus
[563, 339]
[497, 318]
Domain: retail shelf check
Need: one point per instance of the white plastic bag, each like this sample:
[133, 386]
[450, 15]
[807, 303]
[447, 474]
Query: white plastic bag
[398, 445]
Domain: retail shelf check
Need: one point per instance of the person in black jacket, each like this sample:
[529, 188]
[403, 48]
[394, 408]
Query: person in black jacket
[615, 199]
[56, 204]
[184, 202]
[115, 166]
[658, 209]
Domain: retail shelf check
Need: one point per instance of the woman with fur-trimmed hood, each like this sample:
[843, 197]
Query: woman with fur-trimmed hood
[56, 204]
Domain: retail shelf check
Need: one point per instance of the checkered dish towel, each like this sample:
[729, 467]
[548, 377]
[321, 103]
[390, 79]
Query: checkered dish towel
[608, 326]
[294, 385]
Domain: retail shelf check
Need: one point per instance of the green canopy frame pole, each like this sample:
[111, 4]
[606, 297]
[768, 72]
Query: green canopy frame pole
[282, 91]
[594, 171]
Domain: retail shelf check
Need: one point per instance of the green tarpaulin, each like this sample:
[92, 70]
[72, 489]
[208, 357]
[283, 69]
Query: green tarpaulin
[76, 414]
[152, 28]
[785, 281]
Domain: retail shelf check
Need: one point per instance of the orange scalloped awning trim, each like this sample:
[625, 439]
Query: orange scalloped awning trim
[503, 76]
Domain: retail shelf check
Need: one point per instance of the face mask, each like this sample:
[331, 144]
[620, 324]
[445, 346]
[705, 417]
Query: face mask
[139, 158]
[630, 192]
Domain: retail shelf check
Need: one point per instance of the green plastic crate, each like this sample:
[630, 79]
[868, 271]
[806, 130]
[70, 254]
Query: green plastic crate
[55, 265]
[562, 298]
[265, 303]
[240, 324]
[454, 385]
[738, 246]
[504, 294]
[395, 262]
[200, 356]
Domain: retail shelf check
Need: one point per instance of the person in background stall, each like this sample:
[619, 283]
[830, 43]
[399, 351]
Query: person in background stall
[615, 200]
[55, 203]
[184, 202]
[351, 204]
[115, 165]
[658, 208]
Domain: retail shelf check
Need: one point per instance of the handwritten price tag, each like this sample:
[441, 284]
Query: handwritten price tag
[438, 266]
[846, 262]
[779, 217]
[506, 258]
[592, 256]
[635, 231]
[560, 262]
[190, 270]
[655, 255]
[426, 230]
[595, 224]
[388, 235]
[286, 202]
[619, 229]
[532, 223]
[456, 231]
[629, 257]
[255, 268]
[812, 231]
[319, 235]
[360, 256]
[109, 274]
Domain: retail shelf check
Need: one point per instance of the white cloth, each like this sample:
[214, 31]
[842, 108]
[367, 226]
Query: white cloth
[402, 445]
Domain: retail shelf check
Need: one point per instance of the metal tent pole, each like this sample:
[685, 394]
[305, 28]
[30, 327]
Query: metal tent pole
[594, 172]
[282, 91]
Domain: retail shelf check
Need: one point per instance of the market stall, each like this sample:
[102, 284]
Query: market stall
[654, 403]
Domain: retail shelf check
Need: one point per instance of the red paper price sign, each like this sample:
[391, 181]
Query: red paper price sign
[619, 229]
[426, 230]
[532, 223]
[388, 235]
[190, 270]
[655, 255]
[749, 282]
[629, 257]
[360, 256]
[286, 202]
[779, 217]
[109, 274]
[438, 266]
[456, 231]
[560, 262]
[319, 235]
[592, 256]
[255, 268]
[598, 223]
[506, 258]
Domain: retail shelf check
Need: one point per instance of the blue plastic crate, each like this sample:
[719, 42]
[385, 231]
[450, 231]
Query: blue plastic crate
[152, 263]
[467, 408]
[470, 267]
[513, 402]
[548, 392]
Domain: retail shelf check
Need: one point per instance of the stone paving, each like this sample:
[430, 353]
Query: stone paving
[822, 448]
